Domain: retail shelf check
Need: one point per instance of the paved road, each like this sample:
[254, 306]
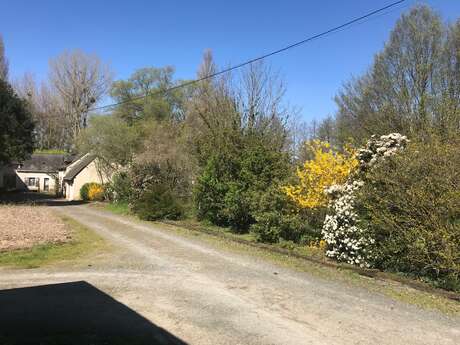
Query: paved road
[205, 296]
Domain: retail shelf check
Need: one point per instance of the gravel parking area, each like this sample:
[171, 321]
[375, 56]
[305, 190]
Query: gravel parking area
[26, 226]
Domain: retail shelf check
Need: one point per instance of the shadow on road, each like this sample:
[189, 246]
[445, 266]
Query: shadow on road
[73, 313]
[33, 198]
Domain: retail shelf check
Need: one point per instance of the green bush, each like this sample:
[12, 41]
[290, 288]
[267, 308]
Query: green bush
[210, 191]
[84, 191]
[119, 189]
[158, 202]
[228, 191]
[277, 218]
[411, 207]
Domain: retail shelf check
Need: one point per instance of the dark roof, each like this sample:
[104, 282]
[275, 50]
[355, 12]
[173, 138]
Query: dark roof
[79, 166]
[43, 162]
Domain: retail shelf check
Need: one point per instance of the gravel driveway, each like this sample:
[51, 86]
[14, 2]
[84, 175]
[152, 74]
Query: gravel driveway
[205, 296]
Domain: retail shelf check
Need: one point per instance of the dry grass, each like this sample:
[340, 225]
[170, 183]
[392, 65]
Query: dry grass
[27, 226]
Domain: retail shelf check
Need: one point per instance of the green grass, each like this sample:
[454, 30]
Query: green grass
[394, 290]
[51, 151]
[83, 242]
[118, 208]
[312, 252]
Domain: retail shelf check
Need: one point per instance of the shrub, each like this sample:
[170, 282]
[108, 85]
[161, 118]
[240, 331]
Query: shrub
[411, 206]
[119, 189]
[343, 230]
[92, 191]
[325, 169]
[158, 202]
[228, 191]
[96, 192]
[278, 218]
[84, 192]
[210, 191]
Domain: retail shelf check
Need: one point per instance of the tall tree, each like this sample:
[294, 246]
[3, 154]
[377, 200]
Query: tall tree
[47, 112]
[81, 80]
[411, 87]
[3, 61]
[16, 126]
[142, 97]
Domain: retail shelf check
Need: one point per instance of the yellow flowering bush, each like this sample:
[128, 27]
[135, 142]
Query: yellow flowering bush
[92, 192]
[96, 192]
[326, 168]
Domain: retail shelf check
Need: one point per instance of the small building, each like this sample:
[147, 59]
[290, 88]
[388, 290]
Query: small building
[82, 170]
[57, 174]
[40, 173]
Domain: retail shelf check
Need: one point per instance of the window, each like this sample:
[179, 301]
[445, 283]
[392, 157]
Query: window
[32, 182]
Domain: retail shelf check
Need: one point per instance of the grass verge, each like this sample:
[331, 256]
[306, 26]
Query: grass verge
[117, 208]
[312, 261]
[388, 287]
[83, 242]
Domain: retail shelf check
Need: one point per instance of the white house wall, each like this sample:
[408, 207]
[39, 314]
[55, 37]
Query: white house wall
[24, 176]
[87, 175]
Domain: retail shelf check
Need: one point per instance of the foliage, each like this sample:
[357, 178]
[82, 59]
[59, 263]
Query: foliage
[211, 188]
[228, 191]
[411, 207]
[112, 141]
[325, 169]
[157, 190]
[412, 86]
[92, 191]
[16, 126]
[3, 61]
[240, 143]
[158, 202]
[347, 239]
[119, 188]
[158, 105]
[278, 218]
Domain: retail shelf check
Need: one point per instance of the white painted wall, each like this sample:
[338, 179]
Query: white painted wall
[24, 176]
[87, 175]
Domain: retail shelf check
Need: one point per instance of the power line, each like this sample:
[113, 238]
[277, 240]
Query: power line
[248, 62]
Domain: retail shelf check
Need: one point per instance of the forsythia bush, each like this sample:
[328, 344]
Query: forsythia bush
[325, 169]
[96, 192]
[92, 192]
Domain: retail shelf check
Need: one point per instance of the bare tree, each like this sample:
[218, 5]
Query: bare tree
[47, 111]
[3, 61]
[81, 81]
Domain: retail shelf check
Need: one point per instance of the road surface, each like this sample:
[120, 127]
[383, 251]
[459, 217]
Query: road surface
[201, 295]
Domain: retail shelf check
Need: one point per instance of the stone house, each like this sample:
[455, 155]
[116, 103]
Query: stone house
[79, 172]
[57, 174]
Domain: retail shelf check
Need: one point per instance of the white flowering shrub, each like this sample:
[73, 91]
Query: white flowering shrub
[342, 230]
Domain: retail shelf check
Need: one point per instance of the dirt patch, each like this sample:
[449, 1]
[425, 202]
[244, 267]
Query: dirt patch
[26, 226]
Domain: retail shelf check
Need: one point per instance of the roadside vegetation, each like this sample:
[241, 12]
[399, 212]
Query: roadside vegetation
[376, 186]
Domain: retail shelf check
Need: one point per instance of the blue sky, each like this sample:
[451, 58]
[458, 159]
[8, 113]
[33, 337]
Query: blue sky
[134, 34]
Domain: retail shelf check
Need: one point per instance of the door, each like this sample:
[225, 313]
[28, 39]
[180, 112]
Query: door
[46, 184]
